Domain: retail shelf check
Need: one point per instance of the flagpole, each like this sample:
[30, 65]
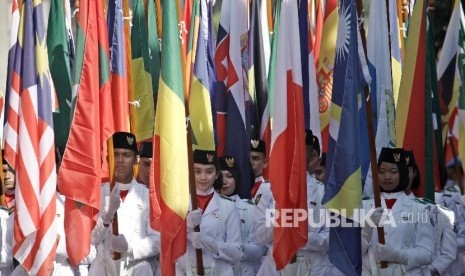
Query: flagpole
[401, 18]
[2, 183]
[159, 17]
[111, 171]
[371, 136]
[190, 159]
[456, 166]
[127, 39]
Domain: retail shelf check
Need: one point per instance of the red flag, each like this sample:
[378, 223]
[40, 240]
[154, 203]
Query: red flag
[287, 155]
[80, 173]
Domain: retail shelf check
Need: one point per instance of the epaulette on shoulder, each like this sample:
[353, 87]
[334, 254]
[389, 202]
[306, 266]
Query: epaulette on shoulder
[266, 181]
[367, 198]
[249, 201]
[452, 189]
[4, 208]
[447, 195]
[227, 198]
[427, 201]
[418, 200]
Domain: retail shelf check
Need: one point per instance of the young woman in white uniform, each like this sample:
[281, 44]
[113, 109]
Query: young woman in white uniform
[220, 228]
[409, 236]
[252, 252]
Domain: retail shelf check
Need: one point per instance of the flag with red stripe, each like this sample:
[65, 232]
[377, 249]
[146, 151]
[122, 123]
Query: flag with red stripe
[287, 154]
[232, 98]
[29, 144]
[80, 173]
[119, 80]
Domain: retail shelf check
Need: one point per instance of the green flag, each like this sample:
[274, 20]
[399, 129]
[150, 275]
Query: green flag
[141, 74]
[59, 60]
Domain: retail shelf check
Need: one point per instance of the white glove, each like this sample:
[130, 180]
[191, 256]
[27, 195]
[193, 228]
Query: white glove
[385, 252]
[372, 220]
[119, 244]
[113, 205]
[193, 219]
[202, 241]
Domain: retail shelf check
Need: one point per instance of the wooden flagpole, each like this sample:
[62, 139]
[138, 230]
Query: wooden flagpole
[190, 159]
[371, 135]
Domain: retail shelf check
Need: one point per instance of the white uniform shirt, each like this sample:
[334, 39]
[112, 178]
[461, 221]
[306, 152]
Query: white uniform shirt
[252, 252]
[6, 239]
[413, 233]
[446, 238]
[317, 246]
[221, 222]
[134, 224]
[451, 199]
[61, 267]
[310, 259]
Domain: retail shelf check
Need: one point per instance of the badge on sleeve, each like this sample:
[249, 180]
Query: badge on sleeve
[257, 199]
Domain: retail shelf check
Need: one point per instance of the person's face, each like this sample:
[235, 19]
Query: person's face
[205, 176]
[388, 176]
[125, 159]
[312, 158]
[451, 173]
[320, 173]
[144, 170]
[9, 177]
[229, 183]
[259, 162]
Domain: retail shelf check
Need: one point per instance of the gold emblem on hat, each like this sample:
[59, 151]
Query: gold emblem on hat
[396, 157]
[314, 140]
[210, 157]
[254, 143]
[407, 160]
[229, 162]
[130, 140]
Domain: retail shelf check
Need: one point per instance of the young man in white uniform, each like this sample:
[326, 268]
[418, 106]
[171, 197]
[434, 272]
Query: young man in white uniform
[136, 240]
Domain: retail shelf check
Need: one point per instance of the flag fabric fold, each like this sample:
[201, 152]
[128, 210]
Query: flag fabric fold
[29, 143]
[343, 193]
[199, 95]
[143, 115]
[232, 99]
[119, 81]
[80, 173]
[325, 66]
[169, 185]
[410, 114]
[287, 154]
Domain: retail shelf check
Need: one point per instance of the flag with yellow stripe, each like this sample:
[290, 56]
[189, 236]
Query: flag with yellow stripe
[170, 188]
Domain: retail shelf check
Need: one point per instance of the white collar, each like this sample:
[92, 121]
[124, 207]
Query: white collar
[395, 195]
[205, 193]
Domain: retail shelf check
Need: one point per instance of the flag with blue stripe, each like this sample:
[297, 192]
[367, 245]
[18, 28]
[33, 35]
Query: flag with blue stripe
[343, 192]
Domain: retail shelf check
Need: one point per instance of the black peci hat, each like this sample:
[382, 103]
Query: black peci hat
[205, 157]
[312, 140]
[410, 159]
[257, 145]
[228, 163]
[125, 140]
[146, 150]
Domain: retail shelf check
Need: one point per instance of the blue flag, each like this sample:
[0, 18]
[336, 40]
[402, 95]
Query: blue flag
[343, 192]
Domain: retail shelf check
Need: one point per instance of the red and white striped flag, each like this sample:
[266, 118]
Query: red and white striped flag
[29, 145]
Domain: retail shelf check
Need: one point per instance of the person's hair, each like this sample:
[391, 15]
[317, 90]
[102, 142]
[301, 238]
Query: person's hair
[416, 179]
[219, 180]
[237, 178]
